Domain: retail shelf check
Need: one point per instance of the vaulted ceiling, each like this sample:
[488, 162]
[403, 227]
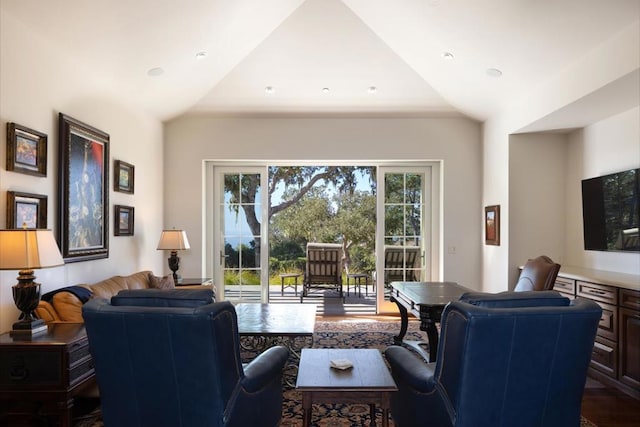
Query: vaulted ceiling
[323, 56]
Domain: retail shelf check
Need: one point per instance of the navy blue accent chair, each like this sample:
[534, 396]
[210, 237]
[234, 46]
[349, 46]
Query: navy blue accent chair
[173, 359]
[509, 359]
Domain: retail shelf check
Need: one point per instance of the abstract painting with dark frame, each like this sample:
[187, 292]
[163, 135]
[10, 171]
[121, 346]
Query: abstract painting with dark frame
[84, 191]
[123, 176]
[26, 150]
[492, 225]
[124, 217]
[26, 210]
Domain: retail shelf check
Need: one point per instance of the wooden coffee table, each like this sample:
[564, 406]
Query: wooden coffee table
[261, 326]
[369, 381]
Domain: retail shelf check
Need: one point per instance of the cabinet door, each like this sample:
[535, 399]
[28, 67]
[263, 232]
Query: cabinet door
[630, 347]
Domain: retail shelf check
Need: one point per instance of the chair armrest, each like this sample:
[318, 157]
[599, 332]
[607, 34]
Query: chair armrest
[263, 368]
[413, 371]
[163, 297]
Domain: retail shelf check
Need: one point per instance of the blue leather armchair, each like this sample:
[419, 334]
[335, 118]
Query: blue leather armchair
[172, 358]
[509, 359]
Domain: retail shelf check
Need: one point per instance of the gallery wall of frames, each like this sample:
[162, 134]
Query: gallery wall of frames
[83, 219]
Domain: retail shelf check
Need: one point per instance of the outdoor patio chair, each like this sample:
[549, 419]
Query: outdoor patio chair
[400, 263]
[323, 269]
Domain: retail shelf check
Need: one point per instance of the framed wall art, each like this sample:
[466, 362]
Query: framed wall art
[124, 217]
[26, 150]
[123, 176]
[84, 191]
[492, 225]
[26, 210]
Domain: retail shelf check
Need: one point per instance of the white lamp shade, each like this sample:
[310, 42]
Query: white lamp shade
[173, 240]
[28, 249]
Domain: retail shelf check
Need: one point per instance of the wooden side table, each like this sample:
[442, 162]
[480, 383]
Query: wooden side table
[41, 375]
[194, 282]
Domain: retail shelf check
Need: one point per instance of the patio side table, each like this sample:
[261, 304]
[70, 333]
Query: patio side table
[289, 280]
[357, 280]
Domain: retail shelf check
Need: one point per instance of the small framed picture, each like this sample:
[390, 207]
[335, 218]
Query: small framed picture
[26, 210]
[492, 225]
[124, 176]
[26, 150]
[124, 220]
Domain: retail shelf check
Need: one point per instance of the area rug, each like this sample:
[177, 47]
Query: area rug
[335, 334]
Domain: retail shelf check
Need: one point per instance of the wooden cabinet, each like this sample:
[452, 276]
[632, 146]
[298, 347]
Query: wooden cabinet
[41, 375]
[565, 286]
[629, 366]
[616, 353]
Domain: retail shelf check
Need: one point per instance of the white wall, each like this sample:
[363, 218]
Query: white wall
[609, 146]
[609, 62]
[191, 139]
[536, 198]
[37, 82]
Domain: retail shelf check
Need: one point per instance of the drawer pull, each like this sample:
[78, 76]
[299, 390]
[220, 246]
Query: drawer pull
[18, 373]
[596, 292]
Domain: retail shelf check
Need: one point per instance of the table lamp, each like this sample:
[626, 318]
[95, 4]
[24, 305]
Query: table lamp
[26, 250]
[174, 241]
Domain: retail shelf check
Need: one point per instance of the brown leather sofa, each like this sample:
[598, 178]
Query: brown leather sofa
[65, 305]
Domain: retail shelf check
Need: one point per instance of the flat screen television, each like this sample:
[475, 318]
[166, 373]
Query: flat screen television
[611, 212]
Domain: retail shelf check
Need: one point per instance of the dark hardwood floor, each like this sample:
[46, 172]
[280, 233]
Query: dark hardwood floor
[609, 407]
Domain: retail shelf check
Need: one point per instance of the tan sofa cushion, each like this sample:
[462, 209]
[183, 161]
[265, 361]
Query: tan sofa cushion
[68, 307]
[47, 313]
[65, 306]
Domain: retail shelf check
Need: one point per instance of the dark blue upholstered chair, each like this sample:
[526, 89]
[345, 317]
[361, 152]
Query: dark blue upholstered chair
[172, 358]
[509, 359]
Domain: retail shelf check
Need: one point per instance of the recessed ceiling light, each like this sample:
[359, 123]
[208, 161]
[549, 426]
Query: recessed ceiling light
[269, 89]
[201, 55]
[447, 55]
[326, 90]
[494, 72]
[155, 72]
[372, 89]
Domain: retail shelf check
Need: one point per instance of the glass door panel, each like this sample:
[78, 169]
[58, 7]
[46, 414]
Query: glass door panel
[403, 230]
[241, 230]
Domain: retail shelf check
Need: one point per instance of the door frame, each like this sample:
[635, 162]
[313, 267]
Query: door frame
[209, 221]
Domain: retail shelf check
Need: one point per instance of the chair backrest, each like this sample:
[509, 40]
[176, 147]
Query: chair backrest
[538, 274]
[501, 365]
[324, 263]
[400, 263]
[165, 366]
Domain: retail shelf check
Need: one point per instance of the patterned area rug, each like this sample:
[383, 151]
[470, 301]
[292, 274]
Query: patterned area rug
[335, 334]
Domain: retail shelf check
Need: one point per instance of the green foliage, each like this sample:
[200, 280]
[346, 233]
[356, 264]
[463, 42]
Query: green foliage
[306, 214]
[234, 277]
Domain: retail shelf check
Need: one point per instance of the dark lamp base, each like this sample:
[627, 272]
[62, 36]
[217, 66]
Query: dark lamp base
[28, 328]
[26, 295]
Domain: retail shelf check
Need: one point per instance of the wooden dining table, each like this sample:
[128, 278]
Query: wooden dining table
[426, 301]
